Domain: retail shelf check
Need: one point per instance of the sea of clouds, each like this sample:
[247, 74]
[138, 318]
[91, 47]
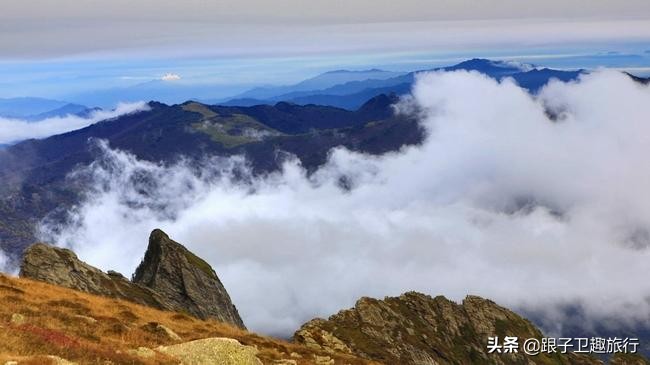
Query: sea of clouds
[13, 130]
[532, 201]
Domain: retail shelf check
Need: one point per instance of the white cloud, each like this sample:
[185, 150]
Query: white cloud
[170, 77]
[499, 201]
[13, 130]
[4, 264]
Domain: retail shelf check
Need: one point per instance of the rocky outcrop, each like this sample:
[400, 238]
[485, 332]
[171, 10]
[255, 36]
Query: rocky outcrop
[185, 280]
[170, 277]
[62, 267]
[417, 329]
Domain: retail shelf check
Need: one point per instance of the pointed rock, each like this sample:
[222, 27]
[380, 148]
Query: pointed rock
[185, 280]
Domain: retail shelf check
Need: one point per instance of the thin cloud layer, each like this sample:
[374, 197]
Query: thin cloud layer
[13, 130]
[501, 200]
[290, 27]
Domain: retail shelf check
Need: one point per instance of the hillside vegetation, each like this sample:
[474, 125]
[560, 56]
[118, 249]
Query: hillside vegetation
[39, 320]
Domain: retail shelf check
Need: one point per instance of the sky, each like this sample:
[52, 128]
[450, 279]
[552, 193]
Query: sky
[60, 49]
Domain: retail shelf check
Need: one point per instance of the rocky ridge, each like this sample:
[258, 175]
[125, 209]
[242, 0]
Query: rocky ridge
[170, 277]
[418, 329]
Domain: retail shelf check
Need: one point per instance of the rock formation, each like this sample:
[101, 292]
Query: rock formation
[62, 267]
[170, 277]
[185, 280]
[417, 329]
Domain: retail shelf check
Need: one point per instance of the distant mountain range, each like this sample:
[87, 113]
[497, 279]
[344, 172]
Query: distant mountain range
[35, 109]
[178, 91]
[321, 82]
[340, 88]
[353, 93]
[23, 107]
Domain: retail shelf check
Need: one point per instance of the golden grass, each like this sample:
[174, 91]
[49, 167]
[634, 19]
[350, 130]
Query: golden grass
[90, 329]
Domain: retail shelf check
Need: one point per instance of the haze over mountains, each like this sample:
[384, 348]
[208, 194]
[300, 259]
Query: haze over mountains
[34, 109]
[340, 88]
[351, 94]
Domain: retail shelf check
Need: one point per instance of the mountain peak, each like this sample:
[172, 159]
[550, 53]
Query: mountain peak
[185, 280]
[492, 67]
[158, 237]
[378, 108]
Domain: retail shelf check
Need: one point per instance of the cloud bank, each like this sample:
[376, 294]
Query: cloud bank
[501, 200]
[13, 130]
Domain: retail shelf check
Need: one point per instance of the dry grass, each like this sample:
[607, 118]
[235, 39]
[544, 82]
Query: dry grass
[59, 321]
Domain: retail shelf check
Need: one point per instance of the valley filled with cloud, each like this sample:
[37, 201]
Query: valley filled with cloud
[514, 197]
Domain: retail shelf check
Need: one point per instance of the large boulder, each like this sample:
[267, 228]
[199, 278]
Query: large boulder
[417, 329]
[213, 351]
[185, 280]
[170, 277]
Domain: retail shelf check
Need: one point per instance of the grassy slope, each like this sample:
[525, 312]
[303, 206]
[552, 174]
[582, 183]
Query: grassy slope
[57, 323]
[224, 129]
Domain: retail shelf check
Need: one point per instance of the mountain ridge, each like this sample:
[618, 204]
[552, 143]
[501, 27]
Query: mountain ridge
[35, 171]
[351, 94]
[417, 329]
